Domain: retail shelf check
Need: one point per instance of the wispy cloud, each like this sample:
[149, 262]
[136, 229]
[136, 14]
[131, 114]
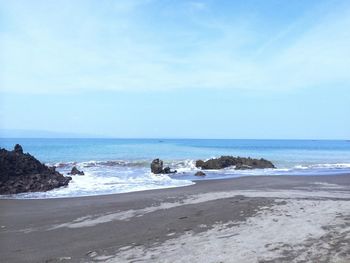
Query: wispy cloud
[147, 45]
[198, 5]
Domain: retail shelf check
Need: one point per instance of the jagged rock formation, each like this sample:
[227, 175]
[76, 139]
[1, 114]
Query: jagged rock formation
[21, 172]
[199, 173]
[75, 171]
[157, 167]
[240, 163]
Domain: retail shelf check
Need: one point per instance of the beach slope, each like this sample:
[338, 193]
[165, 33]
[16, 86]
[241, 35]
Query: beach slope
[249, 219]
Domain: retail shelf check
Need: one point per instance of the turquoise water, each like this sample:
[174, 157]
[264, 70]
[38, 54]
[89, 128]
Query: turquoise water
[122, 165]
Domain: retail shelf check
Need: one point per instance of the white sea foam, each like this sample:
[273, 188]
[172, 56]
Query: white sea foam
[188, 166]
[92, 220]
[184, 166]
[327, 166]
[91, 184]
[297, 230]
[311, 169]
[293, 232]
[120, 176]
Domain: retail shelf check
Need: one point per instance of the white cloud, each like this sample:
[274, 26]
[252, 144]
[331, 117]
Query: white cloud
[197, 5]
[80, 47]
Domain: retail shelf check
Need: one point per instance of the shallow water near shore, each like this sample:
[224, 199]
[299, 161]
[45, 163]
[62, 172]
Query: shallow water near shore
[122, 165]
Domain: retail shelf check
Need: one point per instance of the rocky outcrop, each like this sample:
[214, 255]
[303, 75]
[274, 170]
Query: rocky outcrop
[75, 171]
[240, 163]
[18, 149]
[21, 172]
[167, 170]
[199, 173]
[157, 167]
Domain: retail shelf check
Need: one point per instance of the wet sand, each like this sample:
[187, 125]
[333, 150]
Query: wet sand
[248, 219]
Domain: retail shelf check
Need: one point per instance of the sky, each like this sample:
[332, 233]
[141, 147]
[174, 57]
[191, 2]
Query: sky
[176, 69]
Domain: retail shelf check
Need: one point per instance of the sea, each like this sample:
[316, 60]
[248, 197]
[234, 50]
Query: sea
[123, 165]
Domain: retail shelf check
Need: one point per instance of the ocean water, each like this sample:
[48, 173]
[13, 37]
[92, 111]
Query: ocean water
[123, 165]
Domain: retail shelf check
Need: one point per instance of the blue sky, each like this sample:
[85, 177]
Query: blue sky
[194, 69]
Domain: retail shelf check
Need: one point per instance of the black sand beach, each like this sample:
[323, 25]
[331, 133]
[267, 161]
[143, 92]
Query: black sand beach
[248, 219]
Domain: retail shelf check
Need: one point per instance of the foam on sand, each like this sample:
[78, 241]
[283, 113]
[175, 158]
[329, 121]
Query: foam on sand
[91, 184]
[93, 220]
[293, 231]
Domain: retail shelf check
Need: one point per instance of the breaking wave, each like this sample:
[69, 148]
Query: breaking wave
[188, 165]
[121, 176]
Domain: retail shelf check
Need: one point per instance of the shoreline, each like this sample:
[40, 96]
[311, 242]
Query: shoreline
[195, 181]
[150, 224]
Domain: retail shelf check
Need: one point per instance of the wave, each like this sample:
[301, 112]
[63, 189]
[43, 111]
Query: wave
[92, 184]
[123, 163]
[121, 176]
[175, 164]
[188, 165]
[62, 164]
[324, 166]
[108, 163]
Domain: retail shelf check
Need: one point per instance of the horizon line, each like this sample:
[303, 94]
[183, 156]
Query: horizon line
[178, 138]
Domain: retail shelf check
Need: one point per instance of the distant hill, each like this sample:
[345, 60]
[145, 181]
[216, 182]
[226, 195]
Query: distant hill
[17, 133]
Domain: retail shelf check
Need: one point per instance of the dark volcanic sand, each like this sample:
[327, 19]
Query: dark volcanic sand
[86, 229]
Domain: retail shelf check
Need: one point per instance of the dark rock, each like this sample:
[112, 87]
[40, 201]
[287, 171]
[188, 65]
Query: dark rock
[21, 172]
[75, 171]
[167, 170]
[199, 173]
[200, 163]
[18, 149]
[240, 163]
[157, 167]
[243, 167]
